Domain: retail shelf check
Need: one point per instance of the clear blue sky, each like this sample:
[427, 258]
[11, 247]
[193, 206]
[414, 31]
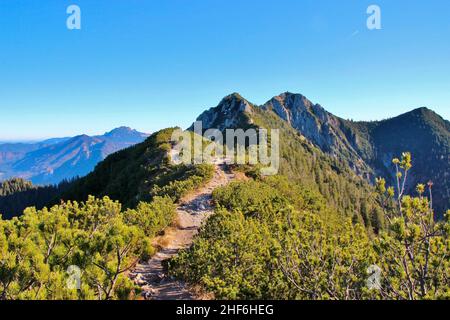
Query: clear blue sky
[151, 64]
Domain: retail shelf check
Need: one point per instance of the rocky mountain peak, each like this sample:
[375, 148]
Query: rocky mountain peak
[235, 103]
[290, 106]
[310, 119]
[233, 111]
[293, 100]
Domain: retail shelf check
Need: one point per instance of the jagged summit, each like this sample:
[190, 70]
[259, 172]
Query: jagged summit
[366, 147]
[234, 95]
[235, 102]
[233, 111]
[295, 109]
[294, 98]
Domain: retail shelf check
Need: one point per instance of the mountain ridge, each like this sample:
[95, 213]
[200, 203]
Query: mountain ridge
[54, 160]
[366, 146]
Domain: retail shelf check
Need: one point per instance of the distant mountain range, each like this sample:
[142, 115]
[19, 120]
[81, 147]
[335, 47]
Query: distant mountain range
[366, 147]
[53, 160]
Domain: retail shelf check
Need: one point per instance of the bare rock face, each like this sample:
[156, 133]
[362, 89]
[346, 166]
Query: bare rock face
[318, 126]
[310, 119]
[366, 147]
[232, 112]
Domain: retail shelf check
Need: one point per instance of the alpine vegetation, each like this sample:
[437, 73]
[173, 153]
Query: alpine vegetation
[237, 147]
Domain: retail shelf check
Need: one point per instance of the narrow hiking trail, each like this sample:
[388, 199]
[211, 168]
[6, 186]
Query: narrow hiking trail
[192, 211]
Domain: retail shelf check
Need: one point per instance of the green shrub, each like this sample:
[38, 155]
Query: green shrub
[37, 248]
[189, 180]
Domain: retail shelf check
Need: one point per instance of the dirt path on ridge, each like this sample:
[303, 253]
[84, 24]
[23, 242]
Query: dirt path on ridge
[192, 211]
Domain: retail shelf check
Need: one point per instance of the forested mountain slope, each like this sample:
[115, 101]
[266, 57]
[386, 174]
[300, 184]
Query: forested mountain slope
[423, 133]
[301, 161]
[365, 147]
[300, 235]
